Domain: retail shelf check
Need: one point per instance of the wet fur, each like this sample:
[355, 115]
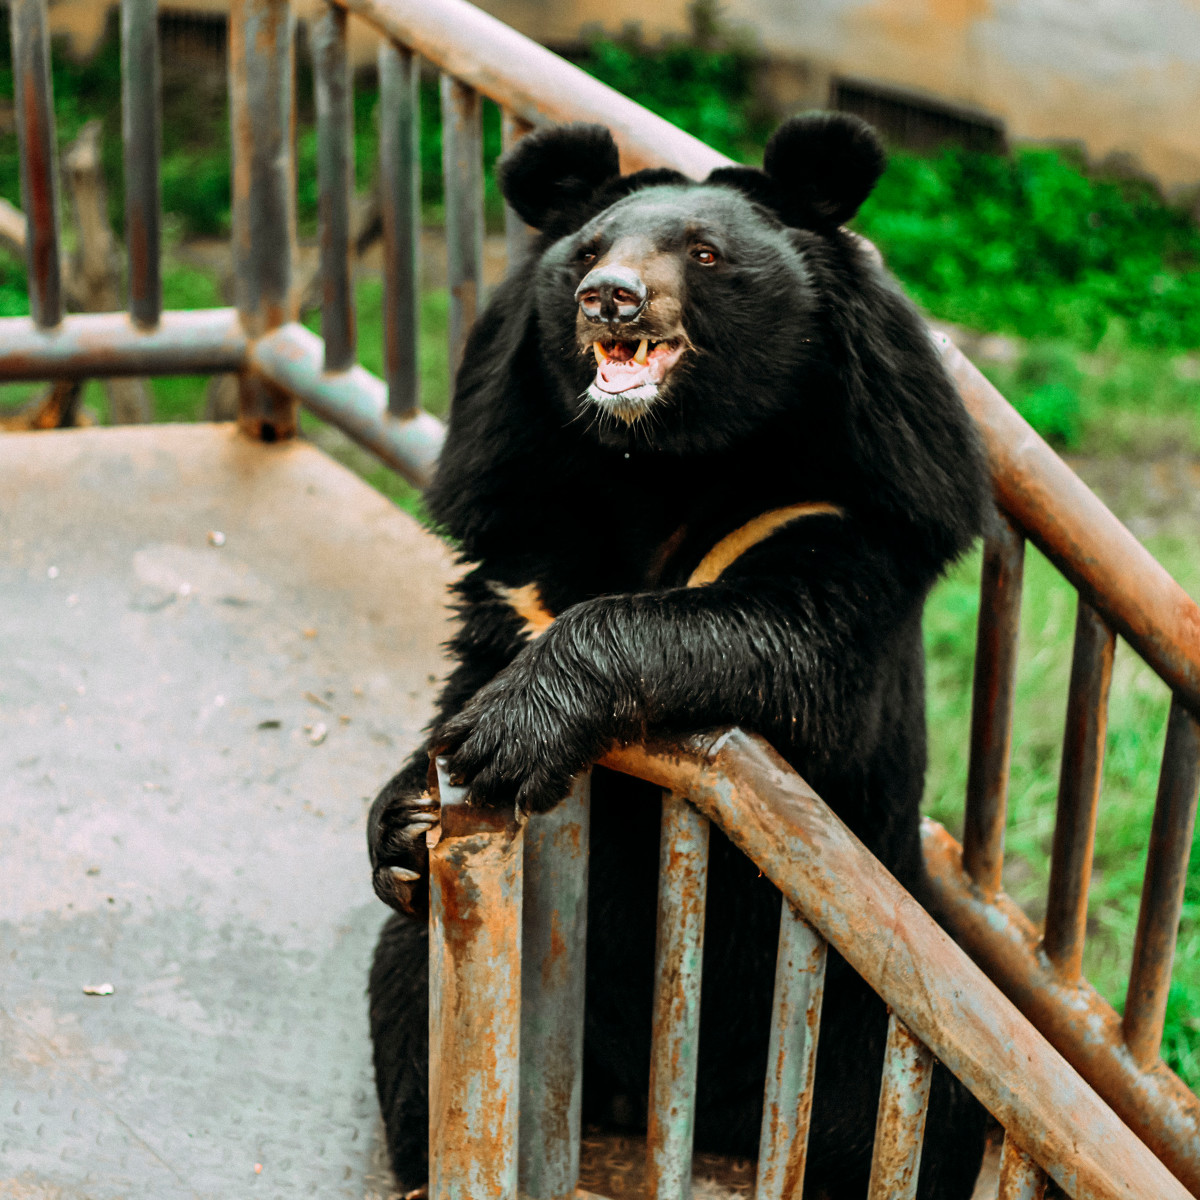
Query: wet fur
[812, 379]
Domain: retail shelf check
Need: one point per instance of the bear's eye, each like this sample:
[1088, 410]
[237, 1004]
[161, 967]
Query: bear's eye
[587, 256]
[706, 256]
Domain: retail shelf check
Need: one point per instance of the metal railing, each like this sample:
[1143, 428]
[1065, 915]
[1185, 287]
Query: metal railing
[1053, 1115]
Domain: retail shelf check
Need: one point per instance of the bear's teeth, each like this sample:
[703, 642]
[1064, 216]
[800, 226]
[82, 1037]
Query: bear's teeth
[601, 357]
[642, 350]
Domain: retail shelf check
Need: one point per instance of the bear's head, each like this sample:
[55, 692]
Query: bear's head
[681, 316]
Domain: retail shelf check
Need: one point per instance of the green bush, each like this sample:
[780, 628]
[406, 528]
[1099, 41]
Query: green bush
[1032, 245]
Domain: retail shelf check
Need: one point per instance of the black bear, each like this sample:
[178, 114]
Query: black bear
[676, 362]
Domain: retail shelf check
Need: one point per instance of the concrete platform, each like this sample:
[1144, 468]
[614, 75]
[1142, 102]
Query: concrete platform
[189, 736]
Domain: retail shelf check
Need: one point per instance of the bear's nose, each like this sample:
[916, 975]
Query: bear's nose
[611, 294]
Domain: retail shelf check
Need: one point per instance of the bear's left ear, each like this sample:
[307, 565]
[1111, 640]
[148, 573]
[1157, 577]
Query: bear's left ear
[817, 170]
[551, 171]
[824, 165]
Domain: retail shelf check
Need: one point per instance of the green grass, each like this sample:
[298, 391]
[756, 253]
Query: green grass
[1137, 722]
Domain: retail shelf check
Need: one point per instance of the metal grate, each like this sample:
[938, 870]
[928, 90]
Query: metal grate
[918, 122]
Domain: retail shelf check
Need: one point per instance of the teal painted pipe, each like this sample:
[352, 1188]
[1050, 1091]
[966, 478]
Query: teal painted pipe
[791, 1058]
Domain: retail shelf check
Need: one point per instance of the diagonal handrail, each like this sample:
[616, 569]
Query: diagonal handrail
[766, 809]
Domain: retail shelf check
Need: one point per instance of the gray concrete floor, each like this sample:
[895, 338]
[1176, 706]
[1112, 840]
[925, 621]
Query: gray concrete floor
[189, 736]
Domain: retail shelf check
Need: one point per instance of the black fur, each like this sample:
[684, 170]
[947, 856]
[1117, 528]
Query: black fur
[808, 377]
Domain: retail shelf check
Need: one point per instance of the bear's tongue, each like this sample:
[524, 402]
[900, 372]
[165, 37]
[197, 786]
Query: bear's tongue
[624, 365]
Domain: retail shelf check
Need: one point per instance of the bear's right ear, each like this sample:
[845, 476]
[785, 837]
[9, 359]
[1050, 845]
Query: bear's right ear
[552, 170]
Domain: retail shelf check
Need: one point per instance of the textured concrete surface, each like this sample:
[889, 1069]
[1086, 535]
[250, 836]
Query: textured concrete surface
[189, 734]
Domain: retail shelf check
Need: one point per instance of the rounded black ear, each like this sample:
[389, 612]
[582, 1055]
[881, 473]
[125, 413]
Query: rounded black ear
[823, 166]
[556, 169]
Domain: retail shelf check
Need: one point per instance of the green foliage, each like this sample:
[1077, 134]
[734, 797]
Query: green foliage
[1032, 245]
[704, 82]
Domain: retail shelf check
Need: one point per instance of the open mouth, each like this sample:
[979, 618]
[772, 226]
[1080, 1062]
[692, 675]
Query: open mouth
[629, 373]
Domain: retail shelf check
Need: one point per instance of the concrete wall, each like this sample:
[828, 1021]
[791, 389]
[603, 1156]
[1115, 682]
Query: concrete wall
[1121, 77]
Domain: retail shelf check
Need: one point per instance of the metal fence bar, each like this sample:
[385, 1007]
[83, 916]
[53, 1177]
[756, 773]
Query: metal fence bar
[992, 705]
[1020, 1177]
[678, 956]
[355, 401]
[1162, 892]
[1079, 791]
[554, 933]
[141, 129]
[884, 934]
[791, 1058]
[900, 1120]
[462, 170]
[474, 1001]
[1078, 1022]
[39, 158]
[261, 35]
[206, 341]
[517, 235]
[400, 203]
[335, 183]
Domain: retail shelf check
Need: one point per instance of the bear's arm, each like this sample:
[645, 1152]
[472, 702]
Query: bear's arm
[789, 642]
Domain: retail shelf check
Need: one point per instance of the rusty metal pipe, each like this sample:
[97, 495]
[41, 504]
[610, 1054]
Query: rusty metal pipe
[462, 171]
[474, 1001]
[772, 815]
[554, 933]
[87, 344]
[1079, 791]
[900, 1120]
[34, 104]
[335, 184]
[141, 129]
[355, 401]
[791, 1058]
[678, 957]
[262, 117]
[992, 705]
[1076, 1020]
[1162, 891]
[400, 204]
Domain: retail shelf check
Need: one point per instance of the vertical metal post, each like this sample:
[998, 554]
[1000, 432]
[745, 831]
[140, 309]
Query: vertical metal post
[791, 1058]
[991, 706]
[517, 235]
[474, 1001]
[1020, 1177]
[678, 957]
[1162, 892]
[1079, 791]
[261, 117]
[335, 182]
[462, 171]
[400, 202]
[554, 941]
[141, 128]
[39, 158]
[900, 1121]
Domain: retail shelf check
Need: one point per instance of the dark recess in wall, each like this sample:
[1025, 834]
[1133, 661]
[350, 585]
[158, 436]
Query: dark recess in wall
[918, 122]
